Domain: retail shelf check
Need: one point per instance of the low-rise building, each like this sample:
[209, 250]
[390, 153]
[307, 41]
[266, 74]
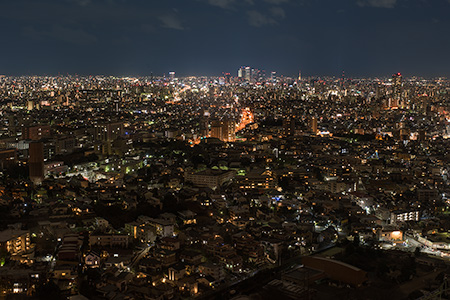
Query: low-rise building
[209, 178]
[15, 241]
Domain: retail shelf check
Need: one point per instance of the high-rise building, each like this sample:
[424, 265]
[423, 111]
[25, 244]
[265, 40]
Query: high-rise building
[224, 130]
[172, 76]
[273, 76]
[227, 78]
[240, 72]
[30, 105]
[396, 95]
[35, 133]
[109, 131]
[106, 134]
[216, 130]
[288, 126]
[36, 162]
[314, 126]
[229, 131]
[204, 130]
[248, 74]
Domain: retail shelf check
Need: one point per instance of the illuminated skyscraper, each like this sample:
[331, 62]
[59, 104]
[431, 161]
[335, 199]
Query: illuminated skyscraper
[248, 74]
[396, 90]
[171, 76]
[229, 131]
[273, 76]
[240, 72]
[396, 82]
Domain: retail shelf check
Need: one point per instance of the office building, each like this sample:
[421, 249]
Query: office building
[35, 133]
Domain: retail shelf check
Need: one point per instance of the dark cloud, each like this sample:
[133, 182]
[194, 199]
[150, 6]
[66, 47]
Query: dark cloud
[258, 19]
[278, 12]
[378, 3]
[222, 3]
[80, 2]
[277, 2]
[171, 22]
[60, 33]
[148, 28]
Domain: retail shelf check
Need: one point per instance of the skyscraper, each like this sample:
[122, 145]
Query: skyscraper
[289, 126]
[227, 78]
[396, 90]
[248, 74]
[229, 130]
[216, 130]
[314, 126]
[273, 76]
[204, 130]
[36, 162]
[240, 72]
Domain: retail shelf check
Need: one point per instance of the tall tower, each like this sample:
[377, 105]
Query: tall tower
[289, 126]
[248, 74]
[273, 76]
[229, 130]
[240, 72]
[314, 126]
[36, 162]
[171, 76]
[396, 89]
[216, 130]
[227, 78]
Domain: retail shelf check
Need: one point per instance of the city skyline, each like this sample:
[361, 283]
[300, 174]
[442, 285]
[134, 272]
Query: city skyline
[217, 188]
[322, 38]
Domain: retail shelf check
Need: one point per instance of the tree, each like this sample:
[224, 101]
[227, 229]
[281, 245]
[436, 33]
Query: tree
[417, 252]
[356, 240]
[49, 290]
[170, 203]
[382, 268]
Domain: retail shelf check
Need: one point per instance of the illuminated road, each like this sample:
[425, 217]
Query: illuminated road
[246, 118]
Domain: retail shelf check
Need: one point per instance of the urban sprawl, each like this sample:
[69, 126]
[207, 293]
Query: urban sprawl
[243, 186]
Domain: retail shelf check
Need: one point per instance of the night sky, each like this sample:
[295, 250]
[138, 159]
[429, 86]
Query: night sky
[208, 37]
